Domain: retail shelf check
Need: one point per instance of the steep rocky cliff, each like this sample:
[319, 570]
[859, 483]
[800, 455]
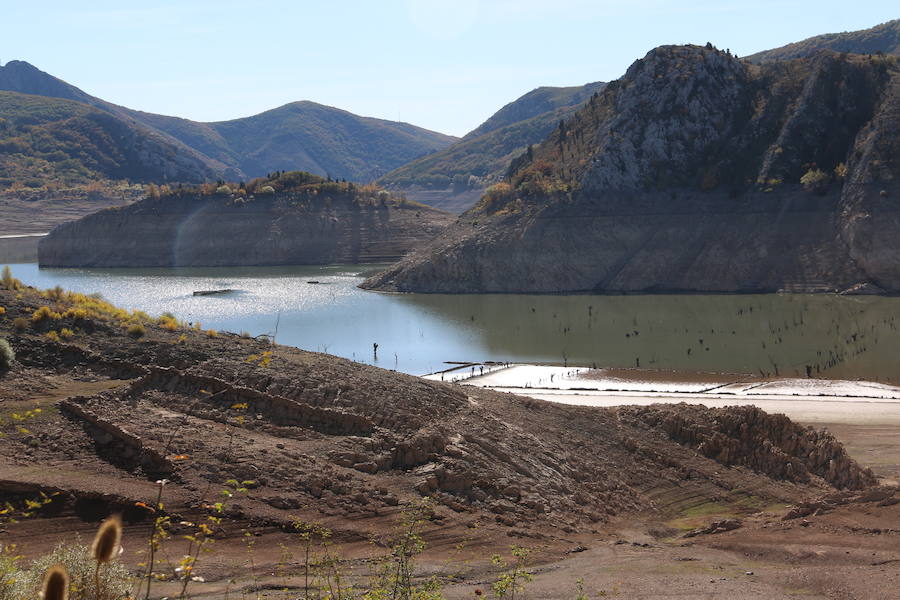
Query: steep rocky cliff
[695, 171]
[294, 218]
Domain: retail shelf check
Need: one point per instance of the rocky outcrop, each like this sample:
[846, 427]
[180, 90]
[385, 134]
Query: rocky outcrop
[192, 229]
[685, 175]
[216, 398]
[771, 444]
[117, 441]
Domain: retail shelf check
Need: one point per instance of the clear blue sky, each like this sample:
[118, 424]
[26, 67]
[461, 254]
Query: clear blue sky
[444, 65]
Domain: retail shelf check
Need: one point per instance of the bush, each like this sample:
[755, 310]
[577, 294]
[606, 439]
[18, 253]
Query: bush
[2, 311]
[266, 190]
[168, 324]
[66, 333]
[815, 180]
[114, 578]
[212, 333]
[223, 190]
[20, 324]
[43, 314]
[136, 330]
[8, 281]
[7, 356]
[497, 196]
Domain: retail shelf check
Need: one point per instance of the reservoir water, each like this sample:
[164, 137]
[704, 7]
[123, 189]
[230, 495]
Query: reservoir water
[840, 337]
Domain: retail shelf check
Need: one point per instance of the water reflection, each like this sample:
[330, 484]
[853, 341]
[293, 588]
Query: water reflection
[845, 337]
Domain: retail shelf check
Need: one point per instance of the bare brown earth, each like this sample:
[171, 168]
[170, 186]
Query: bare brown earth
[604, 494]
[39, 213]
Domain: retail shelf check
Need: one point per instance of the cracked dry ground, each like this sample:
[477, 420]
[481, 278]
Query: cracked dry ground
[601, 494]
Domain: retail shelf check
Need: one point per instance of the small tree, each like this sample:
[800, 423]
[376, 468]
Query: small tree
[840, 171]
[8, 281]
[815, 180]
[7, 356]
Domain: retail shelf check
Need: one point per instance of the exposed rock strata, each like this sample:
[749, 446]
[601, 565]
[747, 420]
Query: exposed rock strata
[195, 230]
[770, 444]
[117, 441]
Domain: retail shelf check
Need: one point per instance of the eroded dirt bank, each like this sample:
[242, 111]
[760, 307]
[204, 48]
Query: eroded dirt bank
[327, 440]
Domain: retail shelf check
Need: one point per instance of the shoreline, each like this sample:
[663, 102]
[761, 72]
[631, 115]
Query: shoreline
[805, 400]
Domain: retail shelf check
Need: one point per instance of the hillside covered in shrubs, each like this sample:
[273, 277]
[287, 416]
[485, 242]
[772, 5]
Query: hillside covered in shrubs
[881, 39]
[44, 121]
[482, 155]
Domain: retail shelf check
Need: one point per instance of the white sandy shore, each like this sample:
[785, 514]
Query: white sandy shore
[22, 235]
[805, 400]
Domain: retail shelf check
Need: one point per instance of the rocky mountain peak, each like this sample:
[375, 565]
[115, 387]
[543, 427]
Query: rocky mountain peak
[675, 104]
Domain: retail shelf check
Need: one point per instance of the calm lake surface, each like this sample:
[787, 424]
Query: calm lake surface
[840, 337]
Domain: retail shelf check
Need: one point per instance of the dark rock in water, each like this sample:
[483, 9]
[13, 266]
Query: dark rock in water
[211, 292]
[863, 289]
[694, 172]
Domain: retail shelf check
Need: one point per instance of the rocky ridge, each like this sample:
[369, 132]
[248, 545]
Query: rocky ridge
[685, 175]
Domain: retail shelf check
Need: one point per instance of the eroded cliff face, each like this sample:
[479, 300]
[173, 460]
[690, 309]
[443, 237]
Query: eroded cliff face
[279, 229]
[685, 175]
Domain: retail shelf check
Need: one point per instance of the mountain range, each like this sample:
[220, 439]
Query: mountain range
[482, 156]
[53, 131]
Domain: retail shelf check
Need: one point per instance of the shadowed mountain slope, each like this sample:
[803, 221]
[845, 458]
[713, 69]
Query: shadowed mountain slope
[483, 155]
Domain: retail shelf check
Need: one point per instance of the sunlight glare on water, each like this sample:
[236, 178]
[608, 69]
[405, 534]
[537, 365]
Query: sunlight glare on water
[773, 334]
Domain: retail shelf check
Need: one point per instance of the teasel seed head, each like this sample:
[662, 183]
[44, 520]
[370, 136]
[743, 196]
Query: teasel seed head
[107, 541]
[56, 584]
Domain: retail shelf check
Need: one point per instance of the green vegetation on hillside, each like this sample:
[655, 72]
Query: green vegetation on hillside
[300, 135]
[292, 186]
[536, 102]
[324, 140]
[484, 154]
[54, 142]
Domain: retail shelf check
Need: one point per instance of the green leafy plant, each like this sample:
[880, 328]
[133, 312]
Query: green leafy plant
[393, 579]
[516, 576]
